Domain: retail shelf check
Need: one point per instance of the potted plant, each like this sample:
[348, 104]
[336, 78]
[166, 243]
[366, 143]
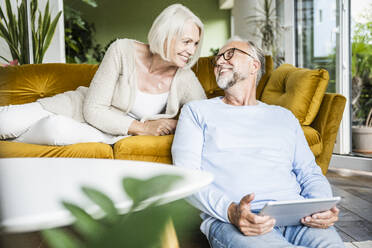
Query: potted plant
[14, 30]
[268, 29]
[362, 88]
[142, 226]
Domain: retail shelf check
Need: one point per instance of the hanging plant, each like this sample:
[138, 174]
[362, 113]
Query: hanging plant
[14, 30]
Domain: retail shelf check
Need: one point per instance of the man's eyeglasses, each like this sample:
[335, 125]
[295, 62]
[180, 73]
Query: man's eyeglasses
[228, 54]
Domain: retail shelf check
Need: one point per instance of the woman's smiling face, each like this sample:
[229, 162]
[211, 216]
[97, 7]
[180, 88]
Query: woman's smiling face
[183, 47]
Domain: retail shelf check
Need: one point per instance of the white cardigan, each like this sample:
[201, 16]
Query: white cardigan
[111, 94]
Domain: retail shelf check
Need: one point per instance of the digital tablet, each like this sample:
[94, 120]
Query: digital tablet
[289, 213]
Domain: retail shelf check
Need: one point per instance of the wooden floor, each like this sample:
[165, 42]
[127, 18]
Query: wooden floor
[355, 222]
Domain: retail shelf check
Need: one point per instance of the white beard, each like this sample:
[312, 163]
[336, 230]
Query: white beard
[223, 82]
[229, 80]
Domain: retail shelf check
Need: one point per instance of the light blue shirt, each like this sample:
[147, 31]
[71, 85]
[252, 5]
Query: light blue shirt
[257, 149]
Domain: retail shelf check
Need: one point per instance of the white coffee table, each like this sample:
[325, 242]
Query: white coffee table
[31, 189]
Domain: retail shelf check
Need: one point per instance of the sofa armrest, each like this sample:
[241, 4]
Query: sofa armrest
[327, 123]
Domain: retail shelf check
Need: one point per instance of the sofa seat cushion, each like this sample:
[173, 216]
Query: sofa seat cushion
[82, 150]
[313, 139]
[299, 90]
[145, 148]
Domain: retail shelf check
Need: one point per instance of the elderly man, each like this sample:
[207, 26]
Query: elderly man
[257, 153]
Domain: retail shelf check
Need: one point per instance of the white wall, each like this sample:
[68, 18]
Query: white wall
[56, 51]
[241, 11]
[245, 9]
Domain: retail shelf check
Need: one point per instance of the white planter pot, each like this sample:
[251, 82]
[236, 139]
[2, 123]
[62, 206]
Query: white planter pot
[362, 139]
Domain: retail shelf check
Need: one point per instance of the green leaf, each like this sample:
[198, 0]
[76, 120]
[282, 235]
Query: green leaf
[85, 224]
[12, 23]
[23, 33]
[72, 44]
[2, 16]
[6, 60]
[49, 36]
[139, 190]
[92, 3]
[104, 202]
[45, 21]
[59, 239]
[9, 10]
[4, 32]
[14, 51]
[143, 228]
[33, 10]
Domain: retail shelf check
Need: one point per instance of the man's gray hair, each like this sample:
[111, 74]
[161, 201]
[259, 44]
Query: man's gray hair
[256, 52]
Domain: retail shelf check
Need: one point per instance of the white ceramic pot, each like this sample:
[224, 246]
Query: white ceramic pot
[362, 139]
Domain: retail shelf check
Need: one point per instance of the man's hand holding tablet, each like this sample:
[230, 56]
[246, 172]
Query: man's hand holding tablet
[318, 213]
[323, 219]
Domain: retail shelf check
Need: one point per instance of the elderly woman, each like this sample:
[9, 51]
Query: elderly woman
[138, 89]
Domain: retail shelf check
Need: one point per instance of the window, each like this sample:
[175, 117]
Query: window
[361, 77]
[316, 36]
[323, 40]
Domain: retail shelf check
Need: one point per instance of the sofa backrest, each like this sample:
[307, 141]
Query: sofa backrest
[27, 83]
[299, 90]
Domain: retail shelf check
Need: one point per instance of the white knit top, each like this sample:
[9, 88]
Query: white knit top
[147, 104]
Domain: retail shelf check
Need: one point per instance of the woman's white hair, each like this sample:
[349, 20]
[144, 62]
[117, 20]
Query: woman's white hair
[169, 25]
[256, 52]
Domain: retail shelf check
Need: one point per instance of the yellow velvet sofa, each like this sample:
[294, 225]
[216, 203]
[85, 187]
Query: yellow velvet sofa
[300, 90]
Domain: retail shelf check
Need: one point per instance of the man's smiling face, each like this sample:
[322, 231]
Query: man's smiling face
[235, 67]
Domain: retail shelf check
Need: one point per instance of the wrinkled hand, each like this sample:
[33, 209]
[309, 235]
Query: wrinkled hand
[248, 223]
[160, 127]
[322, 219]
[155, 127]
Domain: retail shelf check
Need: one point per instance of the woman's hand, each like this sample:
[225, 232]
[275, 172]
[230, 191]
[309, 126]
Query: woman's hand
[160, 127]
[156, 127]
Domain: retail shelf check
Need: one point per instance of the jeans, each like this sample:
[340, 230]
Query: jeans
[223, 235]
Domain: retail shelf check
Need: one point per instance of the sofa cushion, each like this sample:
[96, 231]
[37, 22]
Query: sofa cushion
[204, 70]
[27, 83]
[82, 150]
[299, 90]
[269, 65]
[145, 148]
[313, 139]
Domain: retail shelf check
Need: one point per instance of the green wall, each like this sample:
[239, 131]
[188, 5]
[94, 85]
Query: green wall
[133, 19]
